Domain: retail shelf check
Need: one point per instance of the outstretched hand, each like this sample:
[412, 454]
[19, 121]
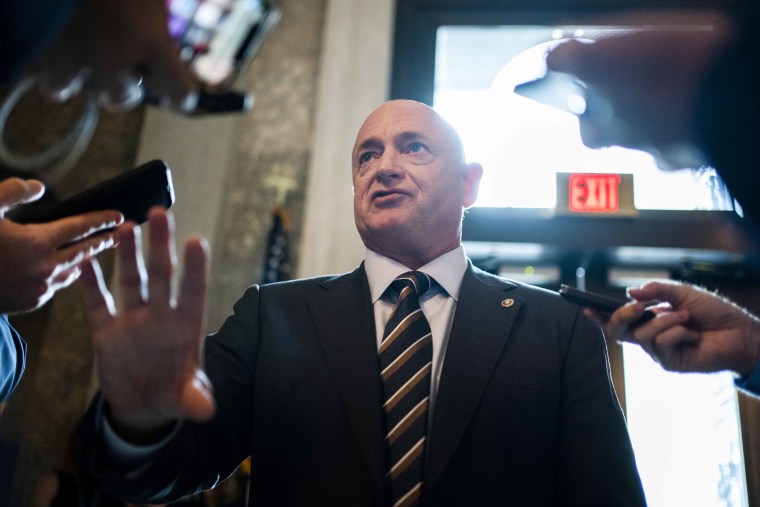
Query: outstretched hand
[694, 330]
[39, 259]
[148, 349]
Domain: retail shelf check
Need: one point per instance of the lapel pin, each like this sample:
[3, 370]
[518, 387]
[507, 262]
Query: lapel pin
[507, 303]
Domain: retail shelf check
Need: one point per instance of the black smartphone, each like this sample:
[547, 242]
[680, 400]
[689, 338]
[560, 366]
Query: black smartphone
[558, 90]
[602, 304]
[133, 193]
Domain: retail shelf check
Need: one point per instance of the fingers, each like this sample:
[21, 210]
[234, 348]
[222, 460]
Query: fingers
[61, 69]
[98, 301]
[670, 294]
[654, 291]
[61, 85]
[194, 279]
[618, 325]
[656, 326]
[567, 57]
[161, 258]
[15, 191]
[588, 60]
[132, 277]
[122, 91]
[673, 349]
[192, 296]
[595, 135]
[70, 229]
[169, 78]
[657, 335]
[137, 284]
[595, 317]
[65, 278]
[671, 338]
[74, 253]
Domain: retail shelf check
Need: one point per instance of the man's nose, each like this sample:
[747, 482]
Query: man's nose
[388, 167]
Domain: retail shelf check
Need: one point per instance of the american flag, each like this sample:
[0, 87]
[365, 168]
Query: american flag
[277, 259]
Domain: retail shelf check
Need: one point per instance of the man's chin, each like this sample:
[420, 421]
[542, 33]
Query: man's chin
[389, 218]
[391, 229]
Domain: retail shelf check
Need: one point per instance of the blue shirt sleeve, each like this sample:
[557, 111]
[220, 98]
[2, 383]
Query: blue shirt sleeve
[751, 383]
[12, 358]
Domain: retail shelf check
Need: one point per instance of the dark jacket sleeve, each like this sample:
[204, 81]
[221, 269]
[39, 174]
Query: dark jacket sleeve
[727, 120]
[597, 463]
[12, 358]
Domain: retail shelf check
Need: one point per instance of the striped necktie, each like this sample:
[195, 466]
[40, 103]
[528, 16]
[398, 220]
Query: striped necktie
[406, 355]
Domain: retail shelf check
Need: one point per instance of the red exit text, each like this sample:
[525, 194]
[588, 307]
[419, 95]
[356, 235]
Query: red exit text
[593, 193]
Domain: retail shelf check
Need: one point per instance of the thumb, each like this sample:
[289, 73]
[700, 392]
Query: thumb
[15, 191]
[197, 397]
[566, 57]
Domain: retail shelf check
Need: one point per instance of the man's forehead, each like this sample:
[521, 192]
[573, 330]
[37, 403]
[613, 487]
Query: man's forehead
[401, 122]
[395, 137]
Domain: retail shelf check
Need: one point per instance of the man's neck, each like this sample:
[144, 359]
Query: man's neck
[413, 260]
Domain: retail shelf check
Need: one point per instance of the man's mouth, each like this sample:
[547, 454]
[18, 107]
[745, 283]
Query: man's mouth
[387, 197]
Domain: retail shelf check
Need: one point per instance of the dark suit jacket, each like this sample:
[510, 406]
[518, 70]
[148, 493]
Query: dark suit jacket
[525, 414]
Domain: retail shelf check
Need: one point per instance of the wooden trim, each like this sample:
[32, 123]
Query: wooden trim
[749, 417]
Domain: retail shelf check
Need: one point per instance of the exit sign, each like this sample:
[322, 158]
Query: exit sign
[593, 193]
[597, 194]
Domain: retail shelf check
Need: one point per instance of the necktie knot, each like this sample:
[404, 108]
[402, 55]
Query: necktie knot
[415, 282]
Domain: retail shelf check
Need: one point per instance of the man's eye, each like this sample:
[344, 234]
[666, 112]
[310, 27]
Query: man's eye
[365, 157]
[417, 147]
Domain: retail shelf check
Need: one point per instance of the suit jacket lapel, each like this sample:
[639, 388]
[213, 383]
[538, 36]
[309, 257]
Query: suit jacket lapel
[482, 323]
[350, 346]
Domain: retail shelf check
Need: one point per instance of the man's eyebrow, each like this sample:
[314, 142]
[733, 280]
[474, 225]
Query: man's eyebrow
[372, 142]
[411, 135]
[401, 138]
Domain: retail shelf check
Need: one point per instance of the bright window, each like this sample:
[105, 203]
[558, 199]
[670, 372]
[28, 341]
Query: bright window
[521, 143]
[685, 431]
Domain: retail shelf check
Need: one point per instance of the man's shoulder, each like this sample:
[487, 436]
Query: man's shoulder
[299, 285]
[524, 289]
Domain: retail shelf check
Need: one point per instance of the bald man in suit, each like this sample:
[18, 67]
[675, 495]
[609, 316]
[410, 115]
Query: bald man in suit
[520, 410]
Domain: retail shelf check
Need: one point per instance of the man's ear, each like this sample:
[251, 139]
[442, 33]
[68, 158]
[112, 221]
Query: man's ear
[471, 173]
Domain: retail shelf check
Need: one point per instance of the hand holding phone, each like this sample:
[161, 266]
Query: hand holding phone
[603, 304]
[132, 193]
[218, 39]
[39, 260]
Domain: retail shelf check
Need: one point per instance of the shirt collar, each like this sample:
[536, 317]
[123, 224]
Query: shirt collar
[447, 269]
